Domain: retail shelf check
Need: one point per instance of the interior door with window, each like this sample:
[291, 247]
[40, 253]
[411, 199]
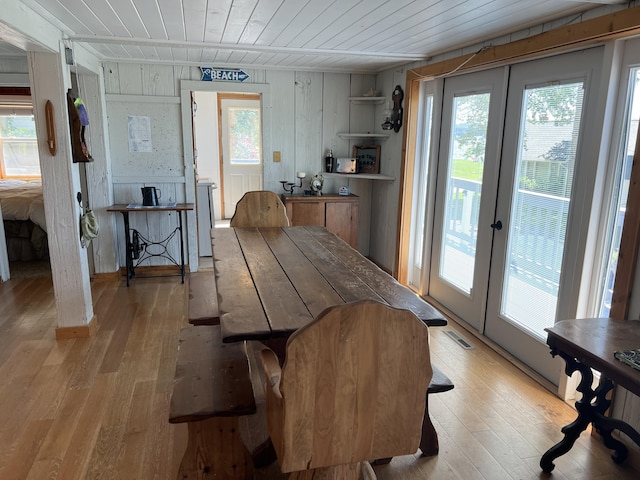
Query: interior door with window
[535, 259]
[466, 188]
[240, 123]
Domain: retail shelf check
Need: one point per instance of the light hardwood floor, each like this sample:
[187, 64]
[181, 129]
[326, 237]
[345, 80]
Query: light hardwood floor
[98, 408]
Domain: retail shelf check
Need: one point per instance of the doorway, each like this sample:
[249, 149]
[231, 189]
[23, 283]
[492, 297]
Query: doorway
[240, 141]
[507, 224]
[195, 158]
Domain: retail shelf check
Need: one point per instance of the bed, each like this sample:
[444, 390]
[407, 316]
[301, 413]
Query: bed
[24, 220]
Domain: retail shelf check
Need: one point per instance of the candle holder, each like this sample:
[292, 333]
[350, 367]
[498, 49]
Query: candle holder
[289, 187]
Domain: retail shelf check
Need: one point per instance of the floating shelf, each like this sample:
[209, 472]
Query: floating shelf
[359, 176]
[381, 136]
[367, 100]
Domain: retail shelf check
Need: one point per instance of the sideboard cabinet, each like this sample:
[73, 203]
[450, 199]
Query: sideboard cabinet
[338, 213]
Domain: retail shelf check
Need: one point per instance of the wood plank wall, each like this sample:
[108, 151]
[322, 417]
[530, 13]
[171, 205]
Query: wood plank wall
[308, 111]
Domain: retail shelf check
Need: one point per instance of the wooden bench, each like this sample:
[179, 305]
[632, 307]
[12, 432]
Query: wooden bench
[203, 304]
[429, 440]
[212, 388]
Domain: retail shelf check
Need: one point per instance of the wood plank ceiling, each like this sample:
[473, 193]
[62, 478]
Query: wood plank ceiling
[322, 35]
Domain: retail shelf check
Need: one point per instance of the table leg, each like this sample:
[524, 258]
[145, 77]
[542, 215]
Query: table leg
[128, 247]
[181, 246]
[591, 408]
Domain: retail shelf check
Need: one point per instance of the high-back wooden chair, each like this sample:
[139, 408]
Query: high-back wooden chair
[260, 208]
[352, 389]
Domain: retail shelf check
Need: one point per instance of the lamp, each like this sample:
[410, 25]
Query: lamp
[393, 117]
[387, 113]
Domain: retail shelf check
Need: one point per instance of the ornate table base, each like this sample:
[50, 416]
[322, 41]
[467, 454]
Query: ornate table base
[591, 409]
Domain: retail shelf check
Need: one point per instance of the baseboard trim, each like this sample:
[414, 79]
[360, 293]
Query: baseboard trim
[79, 331]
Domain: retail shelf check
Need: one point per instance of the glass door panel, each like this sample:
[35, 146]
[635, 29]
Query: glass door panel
[464, 183]
[545, 162]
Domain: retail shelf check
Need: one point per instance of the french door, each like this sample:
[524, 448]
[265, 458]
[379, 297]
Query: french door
[509, 227]
[466, 188]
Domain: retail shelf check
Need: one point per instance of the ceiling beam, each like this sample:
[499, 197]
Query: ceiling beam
[615, 25]
[149, 42]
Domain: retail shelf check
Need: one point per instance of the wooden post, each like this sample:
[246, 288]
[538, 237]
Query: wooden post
[60, 183]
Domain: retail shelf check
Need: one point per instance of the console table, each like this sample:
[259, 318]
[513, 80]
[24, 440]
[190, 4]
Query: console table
[137, 249]
[591, 343]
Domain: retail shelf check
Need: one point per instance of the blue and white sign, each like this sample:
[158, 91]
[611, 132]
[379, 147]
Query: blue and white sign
[217, 75]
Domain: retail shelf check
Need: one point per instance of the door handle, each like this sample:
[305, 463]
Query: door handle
[497, 225]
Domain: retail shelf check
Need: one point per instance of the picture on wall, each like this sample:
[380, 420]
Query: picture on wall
[367, 158]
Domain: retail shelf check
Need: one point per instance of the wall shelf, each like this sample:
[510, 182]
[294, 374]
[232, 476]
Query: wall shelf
[359, 176]
[380, 136]
[367, 100]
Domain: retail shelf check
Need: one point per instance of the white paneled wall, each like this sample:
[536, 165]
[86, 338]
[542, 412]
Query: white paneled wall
[307, 111]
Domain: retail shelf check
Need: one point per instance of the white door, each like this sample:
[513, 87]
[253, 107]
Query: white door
[241, 157]
[466, 191]
[548, 119]
[508, 230]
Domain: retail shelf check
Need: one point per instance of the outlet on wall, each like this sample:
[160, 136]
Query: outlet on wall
[276, 157]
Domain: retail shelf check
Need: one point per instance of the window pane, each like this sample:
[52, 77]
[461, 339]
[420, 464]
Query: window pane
[244, 136]
[421, 178]
[464, 183]
[549, 134]
[621, 190]
[19, 152]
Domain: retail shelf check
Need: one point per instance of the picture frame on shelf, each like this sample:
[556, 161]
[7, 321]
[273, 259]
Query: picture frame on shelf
[367, 158]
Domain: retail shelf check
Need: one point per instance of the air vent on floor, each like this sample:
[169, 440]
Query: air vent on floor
[459, 340]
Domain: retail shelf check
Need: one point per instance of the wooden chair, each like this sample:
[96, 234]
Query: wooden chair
[260, 208]
[351, 389]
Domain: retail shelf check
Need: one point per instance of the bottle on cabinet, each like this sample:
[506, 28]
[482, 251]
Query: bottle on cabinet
[329, 162]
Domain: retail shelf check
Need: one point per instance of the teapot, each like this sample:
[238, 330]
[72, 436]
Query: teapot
[150, 196]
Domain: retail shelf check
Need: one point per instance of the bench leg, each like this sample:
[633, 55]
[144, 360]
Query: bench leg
[429, 440]
[215, 450]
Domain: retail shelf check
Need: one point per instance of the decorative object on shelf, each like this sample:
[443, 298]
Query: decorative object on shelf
[367, 158]
[316, 183]
[329, 162]
[370, 93]
[289, 187]
[346, 165]
[344, 190]
[393, 117]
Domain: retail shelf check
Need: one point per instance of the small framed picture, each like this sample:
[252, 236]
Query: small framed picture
[367, 158]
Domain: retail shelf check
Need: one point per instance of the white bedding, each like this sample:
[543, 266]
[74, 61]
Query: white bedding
[21, 200]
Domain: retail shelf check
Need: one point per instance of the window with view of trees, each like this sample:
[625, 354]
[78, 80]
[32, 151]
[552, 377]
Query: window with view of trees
[18, 147]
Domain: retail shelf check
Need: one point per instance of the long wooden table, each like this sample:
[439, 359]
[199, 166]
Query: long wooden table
[272, 281]
[587, 344]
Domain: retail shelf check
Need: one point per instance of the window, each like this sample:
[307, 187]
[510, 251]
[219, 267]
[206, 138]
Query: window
[618, 204]
[244, 136]
[18, 145]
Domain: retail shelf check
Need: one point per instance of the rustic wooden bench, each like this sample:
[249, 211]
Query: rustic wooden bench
[203, 305]
[429, 443]
[212, 388]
